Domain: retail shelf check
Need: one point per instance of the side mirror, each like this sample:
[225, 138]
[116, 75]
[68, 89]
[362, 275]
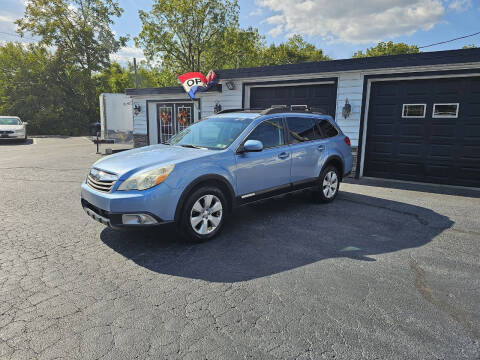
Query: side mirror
[24, 123]
[252, 146]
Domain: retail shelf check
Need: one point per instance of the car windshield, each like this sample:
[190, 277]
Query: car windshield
[213, 133]
[9, 121]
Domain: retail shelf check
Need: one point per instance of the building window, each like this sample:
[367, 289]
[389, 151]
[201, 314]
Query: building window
[445, 110]
[414, 110]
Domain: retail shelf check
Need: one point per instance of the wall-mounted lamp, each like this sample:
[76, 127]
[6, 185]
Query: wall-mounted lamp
[347, 109]
[230, 85]
[137, 109]
[217, 108]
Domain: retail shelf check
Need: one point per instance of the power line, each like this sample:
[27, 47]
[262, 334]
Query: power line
[447, 41]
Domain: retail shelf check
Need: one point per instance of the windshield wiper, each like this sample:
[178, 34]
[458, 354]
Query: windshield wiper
[193, 146]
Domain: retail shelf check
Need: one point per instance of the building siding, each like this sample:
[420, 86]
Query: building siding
[140, 120]
[349, 86]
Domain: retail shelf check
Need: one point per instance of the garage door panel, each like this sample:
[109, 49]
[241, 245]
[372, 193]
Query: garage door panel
[471, 152]
[382, 130]
[385, 148]
[472, 109]
[385, 110]
[420, 93]
[441, 152]
[388, 90]
[321, 96]
[410, 169]
[414, 130]
[437, 150]
[410, 149]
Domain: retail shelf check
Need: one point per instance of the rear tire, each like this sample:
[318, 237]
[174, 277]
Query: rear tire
[329, 185]
[203, 214]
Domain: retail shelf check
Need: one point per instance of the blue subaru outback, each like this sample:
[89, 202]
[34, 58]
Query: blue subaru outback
[201, 174]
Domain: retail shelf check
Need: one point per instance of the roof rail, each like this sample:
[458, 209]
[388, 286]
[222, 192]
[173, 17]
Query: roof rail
[226, 111]
[287, 109]
[276, 109]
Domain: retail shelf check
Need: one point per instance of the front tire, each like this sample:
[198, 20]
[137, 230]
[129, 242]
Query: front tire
[203, 214]
[329, 185]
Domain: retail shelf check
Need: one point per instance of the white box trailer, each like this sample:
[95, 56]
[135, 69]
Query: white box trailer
[116, 119]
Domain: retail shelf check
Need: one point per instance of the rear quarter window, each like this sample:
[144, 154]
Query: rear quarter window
[327, 128]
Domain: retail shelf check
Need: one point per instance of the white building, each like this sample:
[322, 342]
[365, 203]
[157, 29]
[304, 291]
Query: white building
[413, 117]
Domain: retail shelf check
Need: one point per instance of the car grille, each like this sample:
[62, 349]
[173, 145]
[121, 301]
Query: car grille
[5, 132]
[100, 185]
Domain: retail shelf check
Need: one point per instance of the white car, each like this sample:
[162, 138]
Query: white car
[12, 127]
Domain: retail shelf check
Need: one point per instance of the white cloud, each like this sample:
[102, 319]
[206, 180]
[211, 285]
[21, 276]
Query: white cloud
[7, 17]
[353, 22]
[257, 12]
[126, 54]
[10, 11]
[460, 5]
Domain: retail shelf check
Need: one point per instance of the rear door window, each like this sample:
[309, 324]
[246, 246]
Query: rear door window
[301, 129]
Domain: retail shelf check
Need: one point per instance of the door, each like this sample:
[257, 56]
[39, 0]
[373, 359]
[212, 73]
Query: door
[318, 97]
[308, 149]
[425, 130]
[173, 118]
[267, 170]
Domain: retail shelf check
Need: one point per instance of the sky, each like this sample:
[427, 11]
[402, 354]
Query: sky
[338, 27]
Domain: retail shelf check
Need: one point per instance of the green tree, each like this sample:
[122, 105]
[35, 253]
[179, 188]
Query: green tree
[471, 46]
[236, 48]
[181, 32]
[295, 50]
[387, 48]
[42, 89]
[80, 31]
[116, 78]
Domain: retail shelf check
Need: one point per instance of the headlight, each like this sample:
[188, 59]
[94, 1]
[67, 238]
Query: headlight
[147, 179]
[21, 131]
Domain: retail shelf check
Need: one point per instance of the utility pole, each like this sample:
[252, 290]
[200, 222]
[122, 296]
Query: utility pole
[136, 75]
[239, 54]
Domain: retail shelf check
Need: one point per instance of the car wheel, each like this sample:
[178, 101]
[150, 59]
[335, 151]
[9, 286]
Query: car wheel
[203, 215]
[329, 185]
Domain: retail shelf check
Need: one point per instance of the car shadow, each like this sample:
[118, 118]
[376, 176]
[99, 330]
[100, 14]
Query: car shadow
[417, 186]
[282, 234]
[16, 142]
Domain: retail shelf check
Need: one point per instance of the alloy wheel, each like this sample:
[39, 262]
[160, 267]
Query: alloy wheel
[206, 214]
[330, 184]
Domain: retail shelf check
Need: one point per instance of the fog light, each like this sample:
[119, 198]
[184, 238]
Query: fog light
[138, 219]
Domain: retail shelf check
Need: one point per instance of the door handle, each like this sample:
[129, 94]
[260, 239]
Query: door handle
[321, 147]
[283, 155]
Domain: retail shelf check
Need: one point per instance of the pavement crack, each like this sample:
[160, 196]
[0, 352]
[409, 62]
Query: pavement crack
[456, 314]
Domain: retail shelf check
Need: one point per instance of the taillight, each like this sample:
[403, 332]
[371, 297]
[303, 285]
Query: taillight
[347, 141]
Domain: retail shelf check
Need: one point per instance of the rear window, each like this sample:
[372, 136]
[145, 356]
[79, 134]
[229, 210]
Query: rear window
[9, 121]
[327, 128]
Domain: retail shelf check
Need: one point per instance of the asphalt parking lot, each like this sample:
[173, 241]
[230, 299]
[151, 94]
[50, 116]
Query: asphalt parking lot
[387, 271]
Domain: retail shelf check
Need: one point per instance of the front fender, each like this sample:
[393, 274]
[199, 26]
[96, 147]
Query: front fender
[188, 176]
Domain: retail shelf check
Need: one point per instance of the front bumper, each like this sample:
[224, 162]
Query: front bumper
[107, 208]
[12, 137]
[115, 221]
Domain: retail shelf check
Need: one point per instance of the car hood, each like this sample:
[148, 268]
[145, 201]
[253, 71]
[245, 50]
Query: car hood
[11, 127]
[148, 156]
